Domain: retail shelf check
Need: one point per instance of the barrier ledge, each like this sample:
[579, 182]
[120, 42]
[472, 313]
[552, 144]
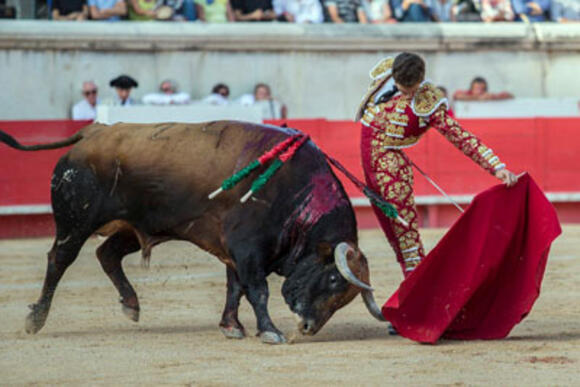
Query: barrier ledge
[152, 37]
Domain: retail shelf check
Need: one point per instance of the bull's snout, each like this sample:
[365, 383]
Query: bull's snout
[307, 327]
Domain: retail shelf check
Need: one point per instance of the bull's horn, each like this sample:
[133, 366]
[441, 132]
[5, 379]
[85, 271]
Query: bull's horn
[340, 252]
[372, 305]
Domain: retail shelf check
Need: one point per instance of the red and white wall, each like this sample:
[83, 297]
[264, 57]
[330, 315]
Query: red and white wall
[547, 148]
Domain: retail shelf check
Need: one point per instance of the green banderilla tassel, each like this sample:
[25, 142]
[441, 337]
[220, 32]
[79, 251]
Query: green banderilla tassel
[239, 176]
[387, 208]
[262, 179]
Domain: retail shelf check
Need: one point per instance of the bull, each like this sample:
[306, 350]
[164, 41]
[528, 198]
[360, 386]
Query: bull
[142, 185]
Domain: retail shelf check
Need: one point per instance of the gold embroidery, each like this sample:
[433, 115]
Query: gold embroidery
[427, 99]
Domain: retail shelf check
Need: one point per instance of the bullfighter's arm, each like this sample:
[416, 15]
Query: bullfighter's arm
[466, 142]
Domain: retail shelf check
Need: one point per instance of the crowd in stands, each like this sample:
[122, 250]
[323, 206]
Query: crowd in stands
[261, 98]
[168, 94]
[318, 11]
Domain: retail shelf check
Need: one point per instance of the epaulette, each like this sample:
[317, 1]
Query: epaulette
[427, 99]
[379, 74]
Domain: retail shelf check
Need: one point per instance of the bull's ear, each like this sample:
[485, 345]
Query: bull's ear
[324, 252]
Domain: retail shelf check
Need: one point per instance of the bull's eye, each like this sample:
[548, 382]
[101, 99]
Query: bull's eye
[333, 280]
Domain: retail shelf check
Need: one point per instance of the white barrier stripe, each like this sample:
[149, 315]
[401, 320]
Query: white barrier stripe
[554, 197]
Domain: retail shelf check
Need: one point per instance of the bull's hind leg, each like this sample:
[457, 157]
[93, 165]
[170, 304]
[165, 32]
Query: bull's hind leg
[230, 325]
[64, 251]
[110, 255]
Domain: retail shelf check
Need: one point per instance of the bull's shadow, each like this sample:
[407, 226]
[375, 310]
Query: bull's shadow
[342, 332]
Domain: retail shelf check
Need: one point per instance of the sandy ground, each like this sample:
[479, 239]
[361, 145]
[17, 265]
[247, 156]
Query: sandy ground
[87, 339]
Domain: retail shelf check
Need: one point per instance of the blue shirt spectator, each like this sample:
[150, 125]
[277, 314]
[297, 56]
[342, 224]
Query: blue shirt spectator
[411, 10]
[441, 9]
[531, 10]
[107, 9]
[565, 10]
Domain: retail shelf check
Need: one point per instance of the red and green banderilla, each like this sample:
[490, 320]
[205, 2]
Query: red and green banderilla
[283, 152]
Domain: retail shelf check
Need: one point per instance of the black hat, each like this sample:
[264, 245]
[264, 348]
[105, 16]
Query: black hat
[123, 82]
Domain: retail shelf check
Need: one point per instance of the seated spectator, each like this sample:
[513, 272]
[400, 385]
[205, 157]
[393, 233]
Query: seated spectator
[142, 10]
[70, 10]
[478, 92]
[496, 11]
[167, 95]
[215, 11]
[177, 10]
[441, 10]
[270, 108]
[450, 109]
[86, 109]
[411, 10]
[564, 11]
[378, 11]
[219, 95]
[466, 11]
[298, 11]
[253, 10]
[123, 85]
[531, 10]
[345, 11]
[107, 9]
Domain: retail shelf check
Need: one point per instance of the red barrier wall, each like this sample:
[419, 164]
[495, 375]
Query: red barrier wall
[547, 148]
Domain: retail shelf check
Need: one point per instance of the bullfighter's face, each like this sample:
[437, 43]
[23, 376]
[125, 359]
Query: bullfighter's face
[315, 291]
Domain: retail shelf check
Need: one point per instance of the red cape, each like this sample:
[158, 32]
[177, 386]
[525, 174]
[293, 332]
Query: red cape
[485, 274]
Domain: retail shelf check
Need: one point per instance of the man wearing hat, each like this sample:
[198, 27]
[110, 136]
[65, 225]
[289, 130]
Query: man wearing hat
[123, 85]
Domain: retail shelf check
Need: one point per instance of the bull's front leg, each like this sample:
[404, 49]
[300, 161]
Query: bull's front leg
[230, 325]
[255, 286]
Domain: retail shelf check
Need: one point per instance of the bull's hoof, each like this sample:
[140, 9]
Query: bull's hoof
[35, 319]
[132, 313]
[392, 330]
[272, 338]
[233, 332]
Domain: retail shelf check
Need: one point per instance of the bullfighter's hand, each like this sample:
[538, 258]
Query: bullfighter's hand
[507, 177]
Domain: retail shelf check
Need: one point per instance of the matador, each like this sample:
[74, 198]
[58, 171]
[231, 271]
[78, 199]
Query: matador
[399, 107]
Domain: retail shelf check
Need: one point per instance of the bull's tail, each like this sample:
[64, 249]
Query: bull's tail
[11, 142]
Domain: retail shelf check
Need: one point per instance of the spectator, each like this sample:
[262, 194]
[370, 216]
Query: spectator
[478, 92]
[298, 11]
[450, 111]
[441, 10]
[107, 9]
[564, 11]
[219, 95]
[167, 95]
[466, 11]
[123, 85]
[86, 109]
[496, 11]
[142, 10]
[345, 11]
[215, 11]
[271, 109]
[531, 11]
[411, 10]
[70, 10]
[253, 10]
[378, 11]
[179, 10]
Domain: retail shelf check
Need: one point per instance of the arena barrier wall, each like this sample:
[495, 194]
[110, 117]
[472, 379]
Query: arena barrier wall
[547, 148]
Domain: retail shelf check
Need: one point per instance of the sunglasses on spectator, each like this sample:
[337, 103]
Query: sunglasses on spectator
[90, 92]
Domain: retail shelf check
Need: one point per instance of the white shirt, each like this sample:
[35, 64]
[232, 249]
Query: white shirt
[216, 99]
[304, 11]
[166, 99]
[83, 110]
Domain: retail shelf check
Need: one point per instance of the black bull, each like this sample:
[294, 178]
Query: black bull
[145, 184]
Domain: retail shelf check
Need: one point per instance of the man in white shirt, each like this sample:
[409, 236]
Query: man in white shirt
[167, 95]
[86, 109]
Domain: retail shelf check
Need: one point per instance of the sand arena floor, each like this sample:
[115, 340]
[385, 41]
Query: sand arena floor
[87, 339]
